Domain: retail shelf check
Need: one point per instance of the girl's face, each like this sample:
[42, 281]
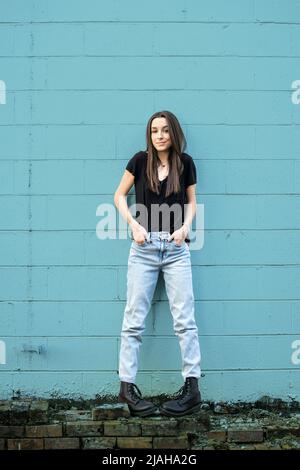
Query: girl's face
[160, 134]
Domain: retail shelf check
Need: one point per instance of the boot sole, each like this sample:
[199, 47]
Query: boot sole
[181, 413]
[143, 413]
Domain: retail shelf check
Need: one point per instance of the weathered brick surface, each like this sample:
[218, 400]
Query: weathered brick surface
[77, 428]
[19, 412]
[179, 442]
[201, 423]
[241, 447]
[4, 413]
[62, 443]
[121, 428]
[38, 412]
[262, 446]
[37, 417]
[50, 430]
[12, 431]
[5, 403]
[134, 442]
[98, 442]
[220, 436]
[20, 405]
[249, 435]
[25, 444]
[159, 427]
[90, 428]
[39, 405]
[275, 431]
[73, 415]
[110, 411]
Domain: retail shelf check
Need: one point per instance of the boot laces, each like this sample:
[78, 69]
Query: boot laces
[132, 392]
[183, 390]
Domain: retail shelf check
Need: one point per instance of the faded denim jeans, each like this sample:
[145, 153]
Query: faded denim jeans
[144, 264]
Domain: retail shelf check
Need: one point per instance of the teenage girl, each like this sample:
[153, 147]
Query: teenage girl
[165, 189]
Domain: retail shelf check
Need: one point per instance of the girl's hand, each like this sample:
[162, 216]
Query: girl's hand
[179, 235]
[139, 233]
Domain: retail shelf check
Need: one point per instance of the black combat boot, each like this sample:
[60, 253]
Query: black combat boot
[185, 403]
[136, 404]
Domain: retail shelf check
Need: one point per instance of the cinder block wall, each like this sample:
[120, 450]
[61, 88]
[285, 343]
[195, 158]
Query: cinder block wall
[81, 79]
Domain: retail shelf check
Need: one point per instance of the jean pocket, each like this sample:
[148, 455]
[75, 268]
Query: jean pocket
[178, 246]
[140, 244]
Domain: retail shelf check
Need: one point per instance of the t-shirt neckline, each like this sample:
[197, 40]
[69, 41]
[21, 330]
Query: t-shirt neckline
[161, 181]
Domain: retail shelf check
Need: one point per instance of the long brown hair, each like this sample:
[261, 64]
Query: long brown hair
[178, 144]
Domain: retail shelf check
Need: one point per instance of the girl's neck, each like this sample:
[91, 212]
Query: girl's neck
[163, 158]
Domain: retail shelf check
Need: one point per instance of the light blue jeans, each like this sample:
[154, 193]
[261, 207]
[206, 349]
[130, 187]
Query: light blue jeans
[144, 264]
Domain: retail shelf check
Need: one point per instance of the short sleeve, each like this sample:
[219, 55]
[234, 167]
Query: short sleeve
[190, 172]
[133, 164]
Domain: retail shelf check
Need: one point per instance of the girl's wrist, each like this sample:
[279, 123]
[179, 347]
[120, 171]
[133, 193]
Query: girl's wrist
[133, 223]
[186, 228]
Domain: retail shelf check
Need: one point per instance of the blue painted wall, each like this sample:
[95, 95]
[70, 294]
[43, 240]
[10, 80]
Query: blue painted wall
[80, 80]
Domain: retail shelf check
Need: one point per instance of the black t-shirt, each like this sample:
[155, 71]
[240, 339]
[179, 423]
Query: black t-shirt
[163, 218]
